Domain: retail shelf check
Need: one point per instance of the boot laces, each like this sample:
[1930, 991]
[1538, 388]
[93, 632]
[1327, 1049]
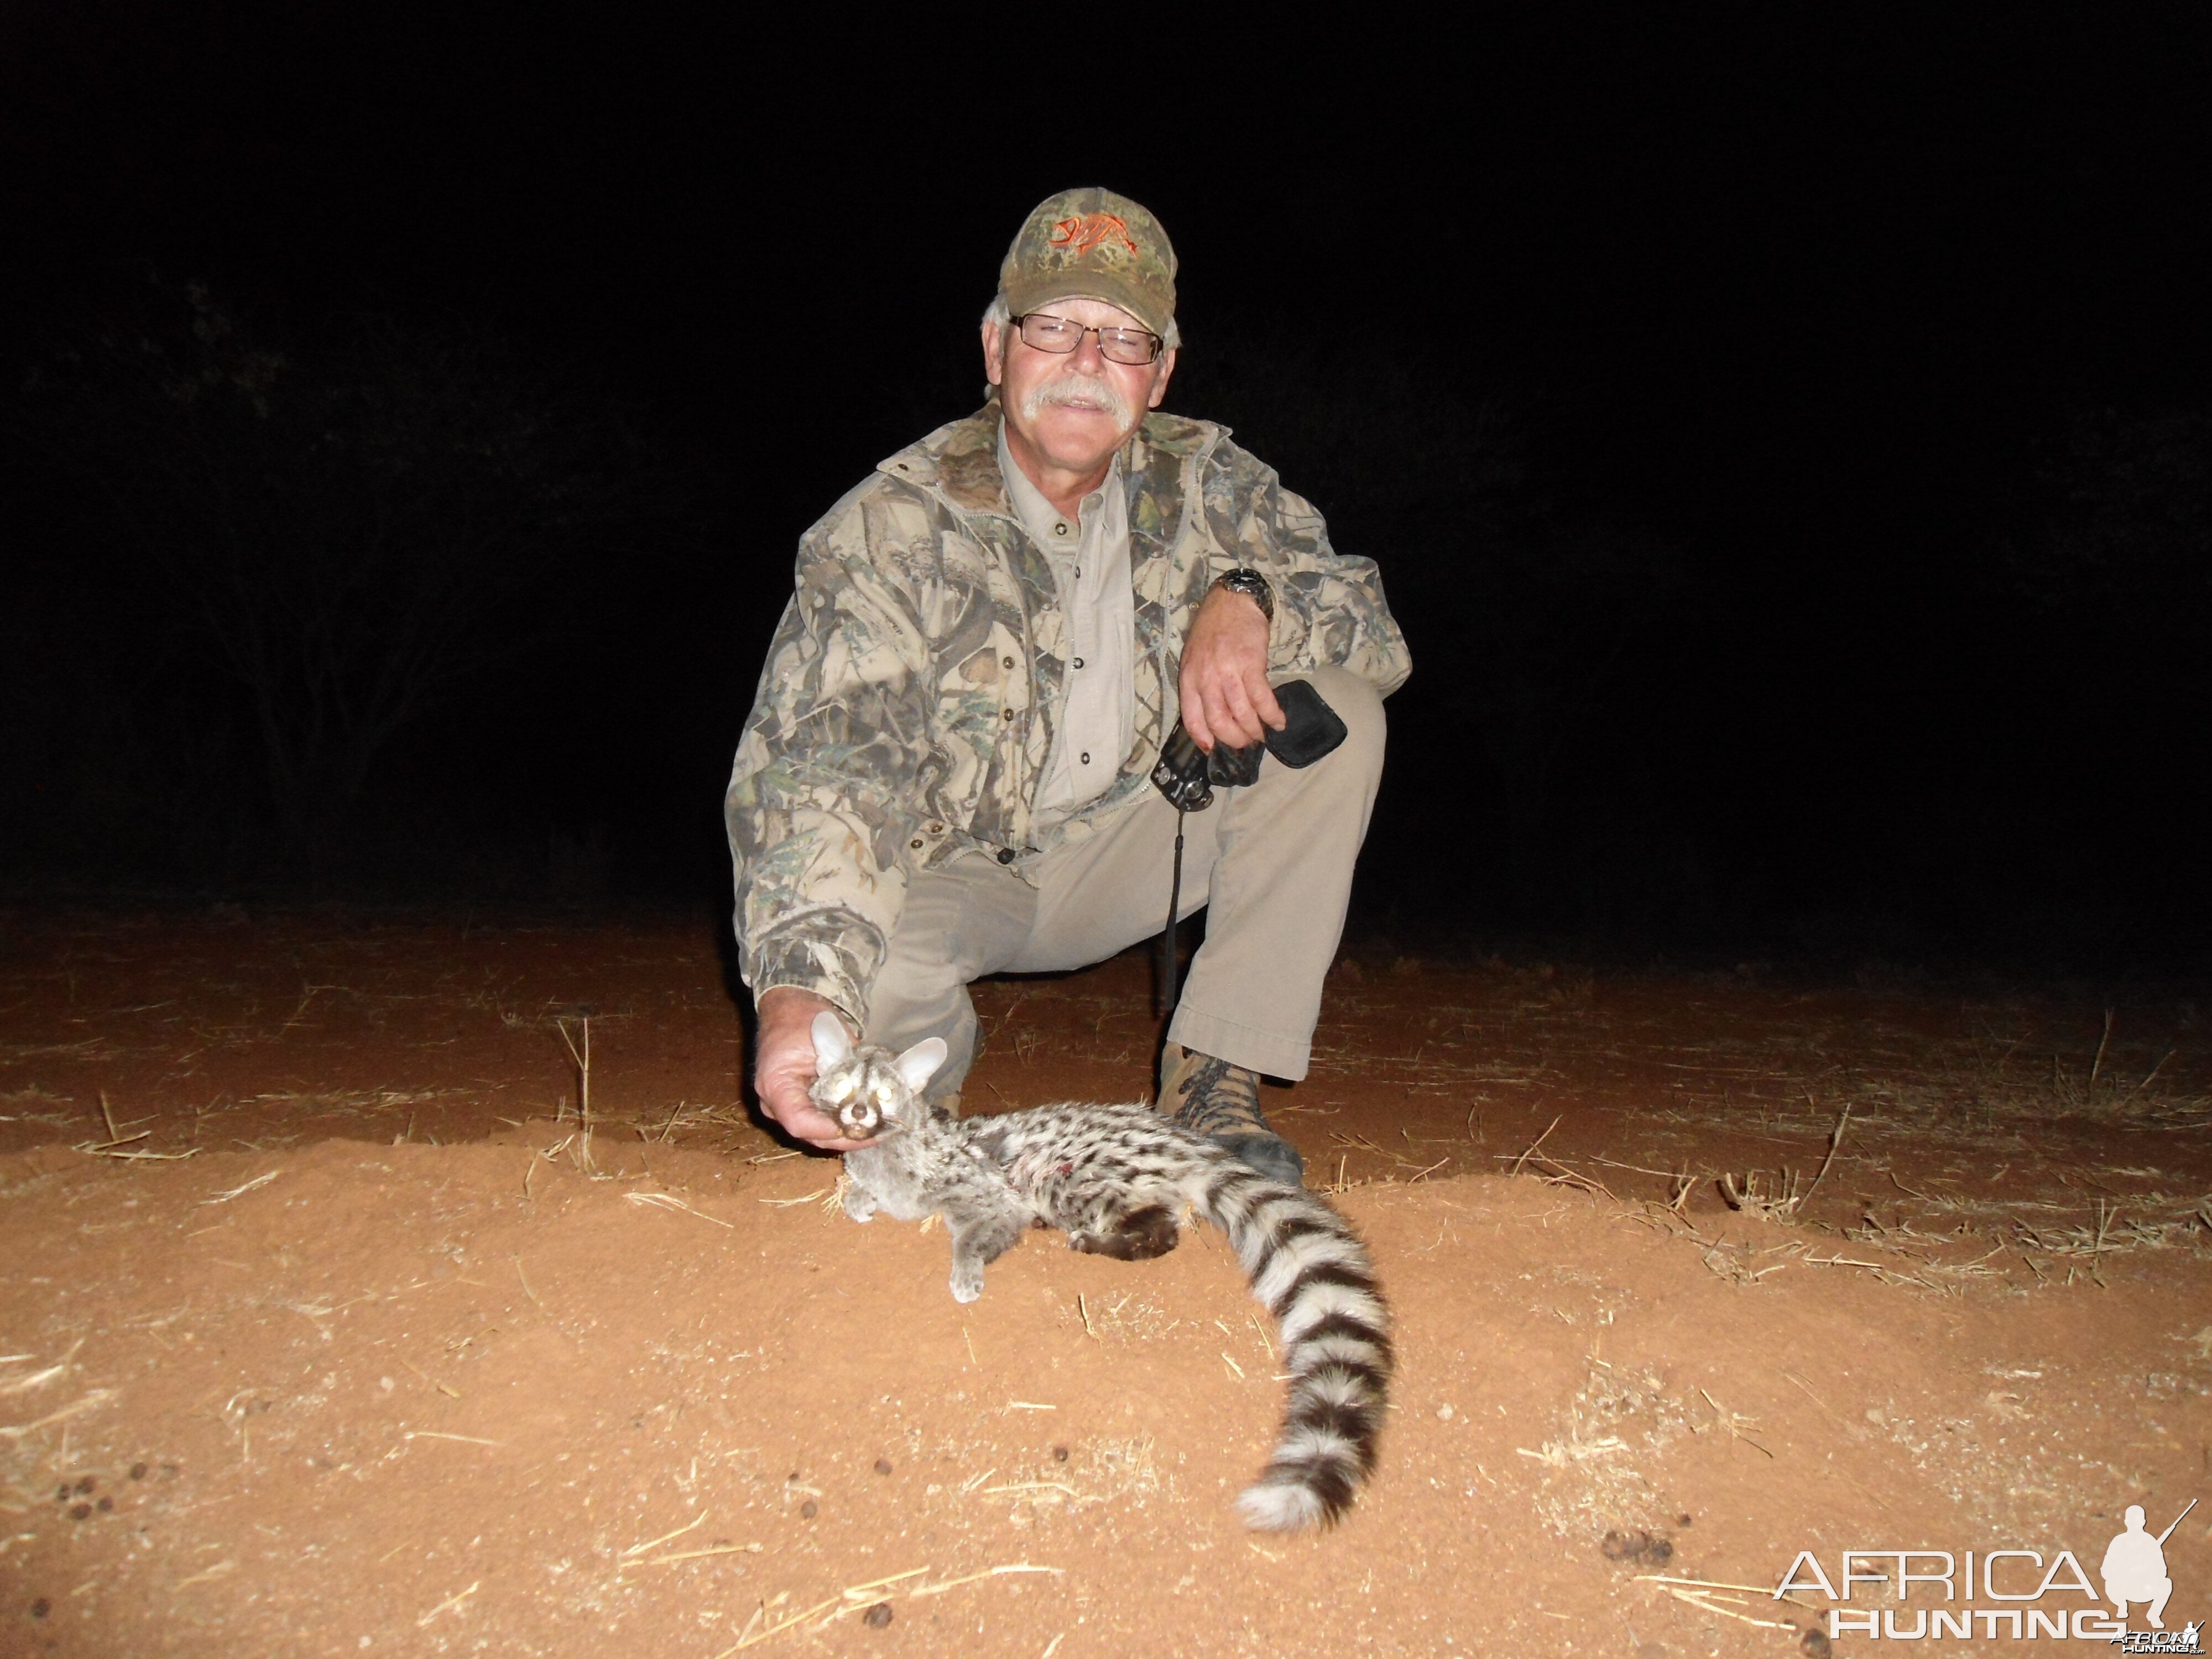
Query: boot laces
[1219, 1098]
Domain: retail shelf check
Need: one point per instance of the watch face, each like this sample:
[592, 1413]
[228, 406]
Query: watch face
[1254, 585]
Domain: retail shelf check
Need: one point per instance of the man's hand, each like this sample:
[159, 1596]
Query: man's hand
[1225, 695]
[784, 1066]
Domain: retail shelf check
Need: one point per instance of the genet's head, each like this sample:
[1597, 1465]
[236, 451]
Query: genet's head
[866, 1089]
[1082, 338]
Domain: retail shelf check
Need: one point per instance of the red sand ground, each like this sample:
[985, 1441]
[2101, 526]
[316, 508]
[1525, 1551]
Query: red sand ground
[343, 1347]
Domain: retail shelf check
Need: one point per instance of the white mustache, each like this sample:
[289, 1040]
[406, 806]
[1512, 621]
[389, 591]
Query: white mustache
[1080, 389]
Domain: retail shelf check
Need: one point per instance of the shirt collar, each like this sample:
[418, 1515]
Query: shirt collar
[1038, 515]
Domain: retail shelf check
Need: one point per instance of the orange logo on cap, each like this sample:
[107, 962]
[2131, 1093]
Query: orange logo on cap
[1080, 236]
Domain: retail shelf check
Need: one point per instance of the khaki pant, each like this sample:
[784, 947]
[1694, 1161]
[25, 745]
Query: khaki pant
[1271, 863]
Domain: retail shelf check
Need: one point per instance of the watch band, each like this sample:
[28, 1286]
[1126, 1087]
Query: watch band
[1250, 583]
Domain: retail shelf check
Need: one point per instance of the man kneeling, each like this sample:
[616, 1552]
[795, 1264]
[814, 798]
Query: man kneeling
[945, 771]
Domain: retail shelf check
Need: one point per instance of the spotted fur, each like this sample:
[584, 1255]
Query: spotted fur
[1118, 1180]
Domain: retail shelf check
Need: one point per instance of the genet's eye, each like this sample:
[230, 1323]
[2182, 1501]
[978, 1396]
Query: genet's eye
[838, 1089]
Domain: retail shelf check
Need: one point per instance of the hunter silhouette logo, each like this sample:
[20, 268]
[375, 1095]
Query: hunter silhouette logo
[1080, 236]
[2134, 1567]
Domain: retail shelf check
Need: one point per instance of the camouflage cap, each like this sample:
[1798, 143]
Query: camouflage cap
[1092, 245]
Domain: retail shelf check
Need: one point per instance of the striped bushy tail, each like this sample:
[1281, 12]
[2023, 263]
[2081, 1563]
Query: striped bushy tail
[1310, 1269]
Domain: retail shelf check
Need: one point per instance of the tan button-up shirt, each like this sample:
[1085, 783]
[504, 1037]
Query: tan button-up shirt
[1089, 559]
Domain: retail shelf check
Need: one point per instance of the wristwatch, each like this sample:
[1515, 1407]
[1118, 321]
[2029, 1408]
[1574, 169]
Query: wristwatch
[1250, 583]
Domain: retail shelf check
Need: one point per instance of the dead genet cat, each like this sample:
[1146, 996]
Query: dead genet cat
[1117, 1180]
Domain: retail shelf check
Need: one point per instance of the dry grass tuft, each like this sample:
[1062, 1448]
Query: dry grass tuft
[669, 1201]
[1785, 1202]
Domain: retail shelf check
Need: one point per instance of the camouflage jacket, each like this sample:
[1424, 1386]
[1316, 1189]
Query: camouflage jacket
[907, 706]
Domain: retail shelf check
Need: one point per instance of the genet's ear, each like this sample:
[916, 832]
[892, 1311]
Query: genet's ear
[832, 1046]
[920, 1063]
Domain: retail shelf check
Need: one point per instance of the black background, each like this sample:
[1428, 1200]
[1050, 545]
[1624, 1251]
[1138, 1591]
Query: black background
[1829, 328]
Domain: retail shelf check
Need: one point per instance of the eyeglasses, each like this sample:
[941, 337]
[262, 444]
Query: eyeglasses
[1045, 333]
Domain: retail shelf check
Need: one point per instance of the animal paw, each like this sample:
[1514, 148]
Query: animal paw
[967, 1283]
[860, 1205]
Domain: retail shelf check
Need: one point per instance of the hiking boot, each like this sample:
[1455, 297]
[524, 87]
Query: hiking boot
[1222, 1102]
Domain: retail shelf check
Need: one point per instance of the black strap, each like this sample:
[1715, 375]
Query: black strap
[1168, 937]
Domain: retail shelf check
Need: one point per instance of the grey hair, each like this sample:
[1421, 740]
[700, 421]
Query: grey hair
[1002, 314]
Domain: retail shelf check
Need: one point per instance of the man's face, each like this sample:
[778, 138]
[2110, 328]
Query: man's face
[1071, 411]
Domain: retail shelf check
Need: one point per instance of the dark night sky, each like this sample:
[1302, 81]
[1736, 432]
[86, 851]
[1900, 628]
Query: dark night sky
[1797, 290]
